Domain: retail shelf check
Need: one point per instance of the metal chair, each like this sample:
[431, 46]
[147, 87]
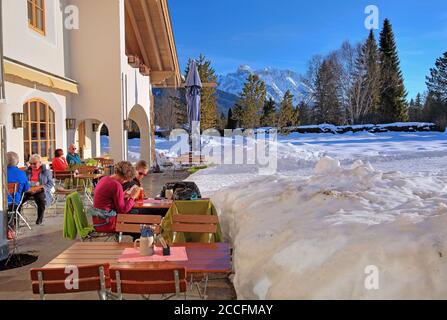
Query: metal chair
[16, 215]
[196, 224]
[86, 278]
[146, 282]
[60, 182]
[85, 231]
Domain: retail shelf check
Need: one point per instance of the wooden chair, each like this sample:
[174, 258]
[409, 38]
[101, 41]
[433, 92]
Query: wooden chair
[107, 162]
[13, 188]
[131, 223]
[83, 169]
[60, 176]
[107, 165]
[146, 282]
[196, 224]
[54, 281]
[63, 179]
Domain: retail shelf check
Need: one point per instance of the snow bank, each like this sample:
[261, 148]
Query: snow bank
[313, 237]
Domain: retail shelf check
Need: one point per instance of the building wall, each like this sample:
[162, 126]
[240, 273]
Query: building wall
[108, 87]
[45, 52]
[21, 43]
[95, 64]
[110, 90]
[19, 93]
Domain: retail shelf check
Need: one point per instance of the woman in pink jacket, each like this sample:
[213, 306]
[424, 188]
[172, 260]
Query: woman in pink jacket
[110, 199]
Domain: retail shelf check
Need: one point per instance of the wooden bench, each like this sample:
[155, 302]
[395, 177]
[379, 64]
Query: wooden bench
[131, 223]
[187, 160]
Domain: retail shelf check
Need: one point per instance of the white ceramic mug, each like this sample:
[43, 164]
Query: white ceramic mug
[146, 246]
[169, 194]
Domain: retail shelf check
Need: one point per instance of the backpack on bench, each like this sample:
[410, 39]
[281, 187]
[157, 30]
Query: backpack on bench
[183, 190]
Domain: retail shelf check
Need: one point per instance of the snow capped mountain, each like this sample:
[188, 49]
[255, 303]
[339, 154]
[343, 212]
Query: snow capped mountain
[277, 82]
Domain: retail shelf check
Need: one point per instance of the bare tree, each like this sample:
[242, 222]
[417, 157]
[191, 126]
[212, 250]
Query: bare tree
[310, 81]
[345, 61]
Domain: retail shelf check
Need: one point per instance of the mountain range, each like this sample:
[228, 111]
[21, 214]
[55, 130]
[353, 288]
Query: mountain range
[230, 86]
[277, 82]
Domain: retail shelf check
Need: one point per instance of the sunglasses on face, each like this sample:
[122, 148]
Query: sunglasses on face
[33, 163]
[142, 174]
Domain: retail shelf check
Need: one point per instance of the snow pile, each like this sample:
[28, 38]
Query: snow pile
[312, 238]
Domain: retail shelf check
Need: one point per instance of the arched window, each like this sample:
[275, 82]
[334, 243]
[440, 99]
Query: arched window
[39, 129]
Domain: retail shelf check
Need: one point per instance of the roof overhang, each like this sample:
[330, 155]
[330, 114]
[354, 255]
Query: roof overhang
[149, 37]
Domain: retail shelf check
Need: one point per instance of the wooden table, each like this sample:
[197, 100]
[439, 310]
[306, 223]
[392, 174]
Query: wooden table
[202, 258]
[35, 189]
[153, 204]
[89, 176]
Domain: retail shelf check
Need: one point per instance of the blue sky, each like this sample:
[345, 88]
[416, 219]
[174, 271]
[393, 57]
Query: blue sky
[287, 33]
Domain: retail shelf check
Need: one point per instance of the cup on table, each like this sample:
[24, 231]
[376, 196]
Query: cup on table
[146, 246]
[169, 194]
[142, 195]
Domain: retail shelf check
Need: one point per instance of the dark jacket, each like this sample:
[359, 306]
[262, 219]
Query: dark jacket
[130, 184]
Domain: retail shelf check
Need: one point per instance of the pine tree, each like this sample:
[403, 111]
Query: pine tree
[180, 109]
[327, 104]
[392, 90]
[415, 109]
[412, 111]
[305, 114]
[268, 118]
[435, 110]
[248, 109]
[231, 123]
[209, 111]
[287, 113]
[437, 81]
[297, 116]
[223, 121]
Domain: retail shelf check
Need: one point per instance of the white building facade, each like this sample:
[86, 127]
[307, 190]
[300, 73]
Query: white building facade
[74, 66]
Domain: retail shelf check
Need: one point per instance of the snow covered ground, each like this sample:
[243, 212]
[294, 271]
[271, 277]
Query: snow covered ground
[338, 205]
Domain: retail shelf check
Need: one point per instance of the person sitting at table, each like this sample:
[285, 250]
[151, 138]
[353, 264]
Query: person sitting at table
[73, 158]
[39, 176]
[110, 199]
[142, 170]
[59, 162]
[15, 175]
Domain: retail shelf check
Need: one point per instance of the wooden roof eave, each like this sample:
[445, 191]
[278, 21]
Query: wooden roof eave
[148, 39]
